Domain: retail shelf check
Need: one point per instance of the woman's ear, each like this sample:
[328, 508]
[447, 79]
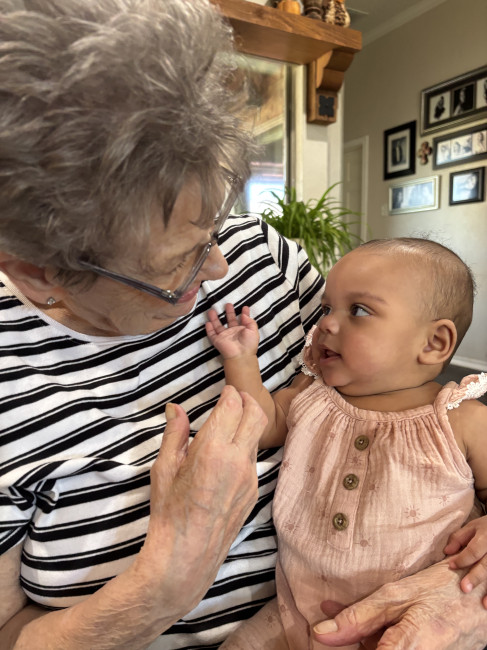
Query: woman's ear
[32, 280]
[442, 338]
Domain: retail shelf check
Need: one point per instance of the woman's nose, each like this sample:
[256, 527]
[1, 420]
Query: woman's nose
[215, 266]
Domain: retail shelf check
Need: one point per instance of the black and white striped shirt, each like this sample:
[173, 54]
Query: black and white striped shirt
[82, 417]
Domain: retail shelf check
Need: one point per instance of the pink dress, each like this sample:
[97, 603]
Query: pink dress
[363, 498]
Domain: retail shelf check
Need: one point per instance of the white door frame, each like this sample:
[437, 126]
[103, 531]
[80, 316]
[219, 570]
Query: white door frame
[363, 144]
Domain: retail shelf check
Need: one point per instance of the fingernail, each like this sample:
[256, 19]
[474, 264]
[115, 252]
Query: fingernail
[326, 627]
[467, 586]
[170, 411]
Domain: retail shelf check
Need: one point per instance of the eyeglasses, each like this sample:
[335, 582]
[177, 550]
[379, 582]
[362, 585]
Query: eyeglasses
[233, 185]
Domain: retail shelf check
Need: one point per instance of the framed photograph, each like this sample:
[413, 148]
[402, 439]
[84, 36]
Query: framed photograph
[456, 101]
[467, 186]
[400, 150]
[414, 196]
[460, 147]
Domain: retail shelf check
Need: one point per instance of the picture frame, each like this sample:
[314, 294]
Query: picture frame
[418, 195]
[455, 101]
[400, 150]
[467, 186]
[459, 147]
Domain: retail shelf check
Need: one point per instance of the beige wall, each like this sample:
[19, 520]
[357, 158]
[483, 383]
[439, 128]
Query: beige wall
[382, 90]
[316, 149]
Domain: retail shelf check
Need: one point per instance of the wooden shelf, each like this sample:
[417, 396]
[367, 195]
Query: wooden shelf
[328, 50]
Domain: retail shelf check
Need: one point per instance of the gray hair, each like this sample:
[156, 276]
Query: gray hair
[108, 107]
[449, 287]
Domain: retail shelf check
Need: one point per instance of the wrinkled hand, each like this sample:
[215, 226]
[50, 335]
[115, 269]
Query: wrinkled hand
[235, 339]
[201, 495]
[473, 539]
[426, 611]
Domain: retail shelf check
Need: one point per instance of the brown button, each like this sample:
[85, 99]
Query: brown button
[361, 443]
[350, 481]
[340, 521]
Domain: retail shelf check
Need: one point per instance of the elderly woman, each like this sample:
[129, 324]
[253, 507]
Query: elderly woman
[121, 156]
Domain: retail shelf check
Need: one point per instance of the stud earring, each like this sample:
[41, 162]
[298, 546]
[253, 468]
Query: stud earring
[50, 301]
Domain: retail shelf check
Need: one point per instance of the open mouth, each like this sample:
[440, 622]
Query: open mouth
[326, 353]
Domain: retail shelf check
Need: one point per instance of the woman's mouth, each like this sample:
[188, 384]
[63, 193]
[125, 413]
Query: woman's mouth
[189, 295]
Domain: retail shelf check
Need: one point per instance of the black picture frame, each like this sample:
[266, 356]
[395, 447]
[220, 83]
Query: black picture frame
[455, 101]
[400, 150]
[460, 147]
[467, 186]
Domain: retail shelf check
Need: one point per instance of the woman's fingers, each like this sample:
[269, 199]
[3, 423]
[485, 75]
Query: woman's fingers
[236, 418]
[218, 468]
[426, 610]
[252, 425]
[174, 447]
[175, 439]
[201, 494]
[225, 418]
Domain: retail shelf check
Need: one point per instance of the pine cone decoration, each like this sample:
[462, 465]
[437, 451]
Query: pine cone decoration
[342, 17]
[329, 11]
[312, 8]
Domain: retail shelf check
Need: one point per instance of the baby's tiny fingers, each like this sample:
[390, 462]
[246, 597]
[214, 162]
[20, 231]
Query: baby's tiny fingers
[216, 322]
[232, 320]
[458, 539]
[475, 576]
[473, 552]
[453, 546]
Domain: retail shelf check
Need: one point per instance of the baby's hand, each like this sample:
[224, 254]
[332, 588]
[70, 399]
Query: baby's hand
[236, 338]
[473, 539]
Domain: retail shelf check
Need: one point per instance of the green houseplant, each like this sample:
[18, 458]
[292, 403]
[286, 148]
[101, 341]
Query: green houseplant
[318, 224]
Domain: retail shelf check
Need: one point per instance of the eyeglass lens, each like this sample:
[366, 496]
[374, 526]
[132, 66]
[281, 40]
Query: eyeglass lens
[230, 197]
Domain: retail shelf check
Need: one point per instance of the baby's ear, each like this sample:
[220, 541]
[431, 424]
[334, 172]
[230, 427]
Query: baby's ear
[442, 338]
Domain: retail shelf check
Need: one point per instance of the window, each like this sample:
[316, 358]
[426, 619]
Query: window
[268, 103]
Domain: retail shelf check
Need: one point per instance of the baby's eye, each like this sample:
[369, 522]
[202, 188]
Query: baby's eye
[326, 309]
[357, 310]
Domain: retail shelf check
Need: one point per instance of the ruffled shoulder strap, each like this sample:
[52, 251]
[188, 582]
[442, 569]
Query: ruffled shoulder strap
[304, 357]
[471, 387]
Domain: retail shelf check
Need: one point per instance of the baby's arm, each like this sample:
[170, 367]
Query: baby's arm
[469, 424]
[237, 342]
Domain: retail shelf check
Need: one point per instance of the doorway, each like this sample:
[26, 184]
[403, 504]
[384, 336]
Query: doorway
[355, 182]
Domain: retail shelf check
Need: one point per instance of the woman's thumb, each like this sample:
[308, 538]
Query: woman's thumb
[174, 446]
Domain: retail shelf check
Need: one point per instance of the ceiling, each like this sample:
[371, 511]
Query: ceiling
[374, 18]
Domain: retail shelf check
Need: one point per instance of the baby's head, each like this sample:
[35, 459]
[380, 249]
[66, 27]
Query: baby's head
[445, 284]
[395, 310]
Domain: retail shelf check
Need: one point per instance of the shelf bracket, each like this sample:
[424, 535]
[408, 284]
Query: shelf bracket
[327, 50]
[325, 78]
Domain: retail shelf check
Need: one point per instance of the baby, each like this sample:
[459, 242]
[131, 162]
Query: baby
[381, 463]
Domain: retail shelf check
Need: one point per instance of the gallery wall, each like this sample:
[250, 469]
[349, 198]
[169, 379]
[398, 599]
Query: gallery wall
[382, 91]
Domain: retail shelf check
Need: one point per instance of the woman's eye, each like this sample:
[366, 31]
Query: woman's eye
[357, 310]
[180, 265]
